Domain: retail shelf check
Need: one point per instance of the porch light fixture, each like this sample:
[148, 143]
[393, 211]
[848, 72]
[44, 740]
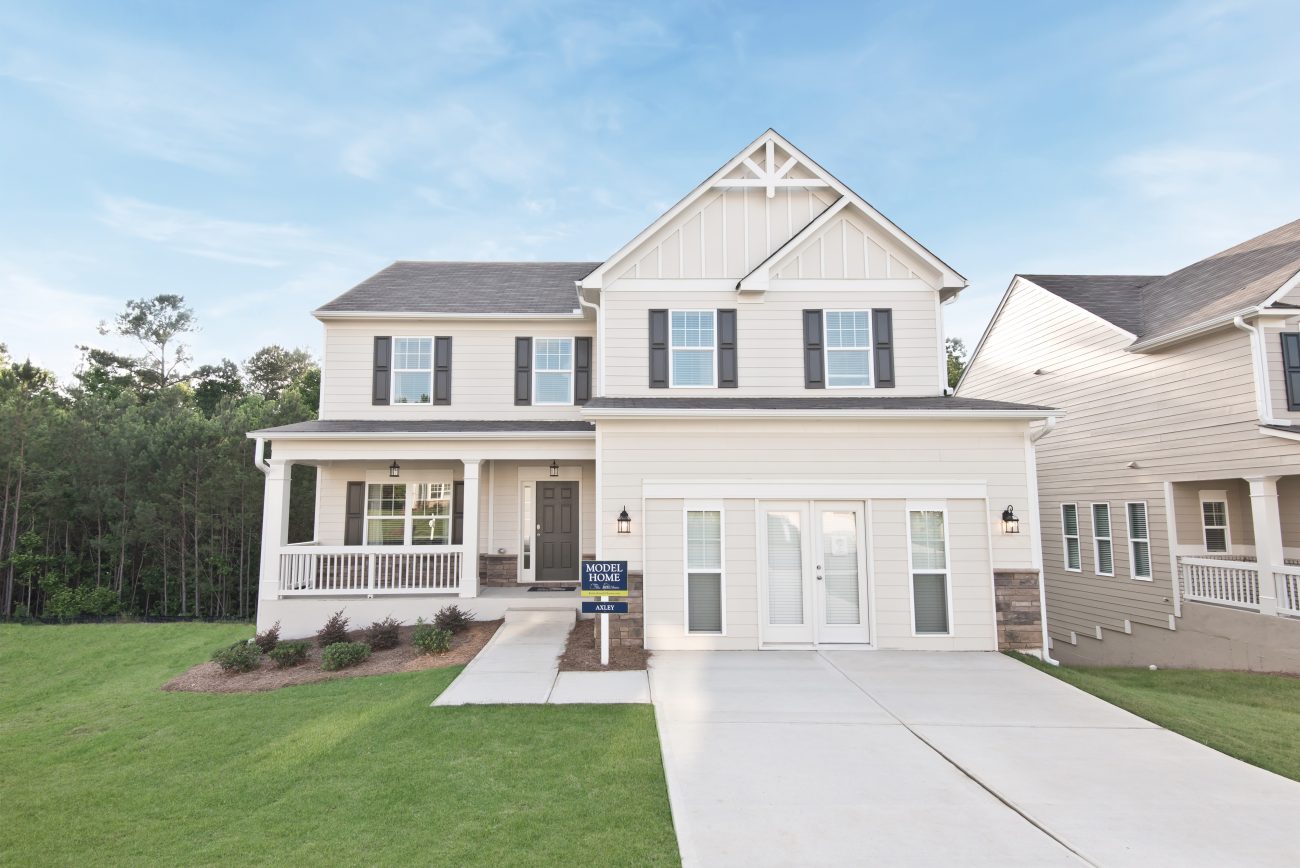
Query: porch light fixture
[624, 522]
[1010, 524]
[555, 470]
[394, 470]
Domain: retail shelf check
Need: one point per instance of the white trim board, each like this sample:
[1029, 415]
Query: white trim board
[799, 489]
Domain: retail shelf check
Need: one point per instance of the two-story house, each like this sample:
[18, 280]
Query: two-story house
[1170, 492]
[746, 403]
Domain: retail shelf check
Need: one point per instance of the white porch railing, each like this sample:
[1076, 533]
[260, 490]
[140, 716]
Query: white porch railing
[1234, 581]
[307, 570]
[1288, 589]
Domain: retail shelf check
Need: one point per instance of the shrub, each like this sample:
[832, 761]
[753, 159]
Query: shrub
[334, 631]
[268, 640]
[287, 654]
[430, 639]
[240, 657]
[453, 619]
[341, 655]
[383, 634]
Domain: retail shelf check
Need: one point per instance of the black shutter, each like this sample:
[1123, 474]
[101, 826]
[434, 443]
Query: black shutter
[1291, 368]
[659, 349]
[882, 343]
[382, 370]
[581, 370]
[457, 513]
[814, 374]
[727, 375]
[442, 370]
[356, 514]
[523, 371]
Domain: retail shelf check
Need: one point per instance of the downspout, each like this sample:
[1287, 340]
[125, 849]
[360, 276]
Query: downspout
[1047, 429]
[1259, 364]
[259, 455]
[600, 341]
[1031, 457]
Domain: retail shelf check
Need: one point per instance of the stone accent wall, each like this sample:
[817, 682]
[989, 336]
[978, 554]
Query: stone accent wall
[498, 571]
[1020, 624]
[627, 631]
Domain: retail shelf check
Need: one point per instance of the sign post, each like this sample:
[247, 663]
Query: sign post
[604, 579]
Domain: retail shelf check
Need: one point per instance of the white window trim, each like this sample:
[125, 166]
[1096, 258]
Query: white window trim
[1216, 497]
[868, 349]
[704, 506]
[393, 370]
[911, 570]
[1097, 539]
[572, 372]
[406, 517]
[1132, 549]
[713, 351]
[1065, 540]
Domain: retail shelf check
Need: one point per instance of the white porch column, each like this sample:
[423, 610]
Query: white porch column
[1268, 538]
[275, 527]
[469, 531]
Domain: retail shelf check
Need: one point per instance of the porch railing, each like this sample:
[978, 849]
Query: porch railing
[1288, 589]
[323, 570]
[1234, 581]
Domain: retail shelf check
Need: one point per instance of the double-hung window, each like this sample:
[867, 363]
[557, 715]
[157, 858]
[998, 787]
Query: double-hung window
[1103, 548]
[848, 348]
[928, 559]
[412, 370]
[553, 370]
[1139, 540]
[1070, 536]
[704, 570]
[1214, 520]
[693, 348]
[408, 514]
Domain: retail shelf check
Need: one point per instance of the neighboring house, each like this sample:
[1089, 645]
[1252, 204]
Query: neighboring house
[1170, 492]
[746, 403]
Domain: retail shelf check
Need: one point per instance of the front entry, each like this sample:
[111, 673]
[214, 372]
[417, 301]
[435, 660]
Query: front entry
[812, 558]
[557, 532]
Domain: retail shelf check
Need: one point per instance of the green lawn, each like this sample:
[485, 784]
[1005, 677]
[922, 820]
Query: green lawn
[101, 767]
[1243, 714]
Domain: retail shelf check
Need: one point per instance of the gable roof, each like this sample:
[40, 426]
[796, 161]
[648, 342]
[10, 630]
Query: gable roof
[1113, 297]
[483, 288]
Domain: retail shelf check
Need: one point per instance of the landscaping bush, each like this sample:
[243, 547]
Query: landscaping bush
[430, 639]
[240, 657]
[383, 634]
[341, 655]
[269, 639]
[453, 619]
[287, 654]
[334, 631]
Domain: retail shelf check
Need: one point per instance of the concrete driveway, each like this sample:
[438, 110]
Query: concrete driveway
[909, 758]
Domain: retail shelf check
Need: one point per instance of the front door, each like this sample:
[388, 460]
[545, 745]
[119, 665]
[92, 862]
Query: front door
[812, 557]
[557, 532]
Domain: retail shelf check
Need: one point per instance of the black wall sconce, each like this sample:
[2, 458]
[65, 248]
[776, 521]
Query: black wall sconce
[394, 470]
[624, 522]
[555, 470]
[1010, 523]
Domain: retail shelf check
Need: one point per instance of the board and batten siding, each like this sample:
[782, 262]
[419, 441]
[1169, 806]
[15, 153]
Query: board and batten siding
[1185, 412]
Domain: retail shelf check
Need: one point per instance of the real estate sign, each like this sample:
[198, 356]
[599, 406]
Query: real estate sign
[597, 607]
[604, 578]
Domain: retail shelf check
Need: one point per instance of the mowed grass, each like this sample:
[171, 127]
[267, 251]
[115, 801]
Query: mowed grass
[98, 766]
[1247, 715]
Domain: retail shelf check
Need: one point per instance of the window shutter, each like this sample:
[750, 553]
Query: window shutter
[814, 373]
[727, 374]
[1291, 368]
[523, 371]
[581, 370]
[659, 349]
[882, 343]
[382, 370]
[457, 513]
[356, 514]
[442, 370]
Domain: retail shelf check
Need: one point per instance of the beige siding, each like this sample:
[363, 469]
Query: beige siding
[1187, 511]
[1272, 332]
[850, 247]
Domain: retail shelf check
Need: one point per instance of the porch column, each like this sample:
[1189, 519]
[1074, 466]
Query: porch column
[275, 527]
[469, 531]
[1268, 538]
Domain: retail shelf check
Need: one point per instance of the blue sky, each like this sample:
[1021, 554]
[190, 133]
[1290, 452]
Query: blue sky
[261, 158]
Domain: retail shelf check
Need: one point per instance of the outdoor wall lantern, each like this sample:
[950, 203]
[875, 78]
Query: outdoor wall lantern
[1010, 524]
[394, 470]
[624, 522]
[555, 470]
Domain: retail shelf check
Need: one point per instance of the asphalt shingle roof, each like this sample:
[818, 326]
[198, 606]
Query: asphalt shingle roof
[1113, 297]
[467, 287]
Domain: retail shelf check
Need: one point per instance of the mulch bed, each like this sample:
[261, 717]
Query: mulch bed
[582, 652]
[209, 677]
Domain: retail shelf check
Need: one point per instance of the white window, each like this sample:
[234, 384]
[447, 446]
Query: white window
[848, 348]
[1070, 536]
[552, 370]
[928, 563]
[408, 514]
[704, 571]
[412, 370]
[693, 345]
[1102, 547]
[1214, 520]
[1139, 542]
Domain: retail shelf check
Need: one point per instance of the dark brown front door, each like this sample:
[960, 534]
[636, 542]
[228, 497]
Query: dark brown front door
[557, 531]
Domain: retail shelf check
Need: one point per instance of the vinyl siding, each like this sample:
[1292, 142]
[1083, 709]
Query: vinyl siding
[1277, 382]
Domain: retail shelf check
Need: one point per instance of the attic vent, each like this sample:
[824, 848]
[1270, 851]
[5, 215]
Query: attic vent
[1039, 372]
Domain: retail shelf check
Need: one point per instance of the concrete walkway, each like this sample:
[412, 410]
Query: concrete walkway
[896, 758]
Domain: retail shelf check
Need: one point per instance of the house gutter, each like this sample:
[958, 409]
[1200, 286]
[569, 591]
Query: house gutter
[1036, 543]
[259, 455]
[1259, 365]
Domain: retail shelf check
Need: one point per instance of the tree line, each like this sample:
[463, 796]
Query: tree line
[131, 488]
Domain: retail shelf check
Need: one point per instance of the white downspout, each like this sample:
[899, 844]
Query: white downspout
[1046, 429]
[259, 455]
[1259, 364]
[600, 342]
[1031, 459]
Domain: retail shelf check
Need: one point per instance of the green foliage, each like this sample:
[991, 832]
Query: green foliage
[341, 655]
[383, 634]
[956, 351]
[453, 619]
[268, 639]
[429, 638]
[334, 631]
[240, 657]
[66, 604]
[288, 654]
[271, 370]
